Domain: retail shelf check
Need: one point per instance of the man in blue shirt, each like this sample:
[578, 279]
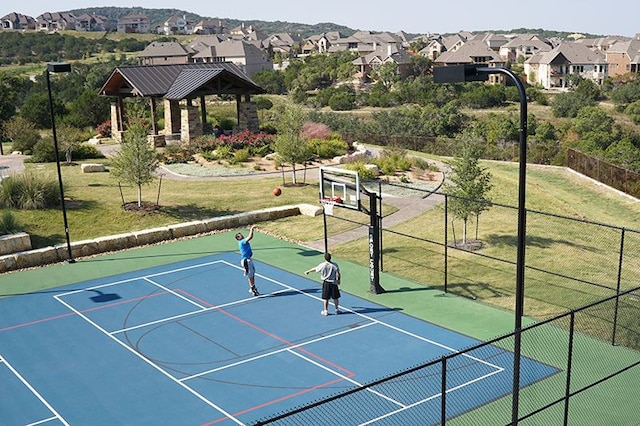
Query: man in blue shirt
[245, 261]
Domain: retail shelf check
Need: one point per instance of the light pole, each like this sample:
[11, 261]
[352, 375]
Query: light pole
[461, 73]
[56, 67]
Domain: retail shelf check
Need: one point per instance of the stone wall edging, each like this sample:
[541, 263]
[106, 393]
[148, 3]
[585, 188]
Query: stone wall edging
[58, 253]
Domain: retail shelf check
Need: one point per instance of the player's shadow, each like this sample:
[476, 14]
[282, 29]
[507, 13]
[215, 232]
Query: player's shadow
[408, 289]
[104, 297]
[370, 310]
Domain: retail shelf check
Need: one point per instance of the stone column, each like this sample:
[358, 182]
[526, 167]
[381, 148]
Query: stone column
[248, 117]
[191, 126]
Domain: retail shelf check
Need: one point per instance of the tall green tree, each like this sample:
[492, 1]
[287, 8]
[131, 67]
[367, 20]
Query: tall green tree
[136, 160]
[469, 184]
[290, 145]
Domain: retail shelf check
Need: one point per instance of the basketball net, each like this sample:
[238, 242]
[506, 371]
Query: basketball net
[328, 207]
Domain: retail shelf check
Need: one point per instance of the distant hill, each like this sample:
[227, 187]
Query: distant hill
[159, 16]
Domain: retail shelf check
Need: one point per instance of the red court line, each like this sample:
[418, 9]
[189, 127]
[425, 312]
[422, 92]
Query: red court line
[284, 398]
[268, 333]
[27, 324]
[280, 339]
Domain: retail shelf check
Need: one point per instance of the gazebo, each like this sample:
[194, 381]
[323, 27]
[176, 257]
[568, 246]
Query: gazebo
[177, 85]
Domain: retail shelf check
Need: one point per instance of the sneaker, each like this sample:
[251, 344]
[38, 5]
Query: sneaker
[254, 291]
[324, 313]
[338, 311]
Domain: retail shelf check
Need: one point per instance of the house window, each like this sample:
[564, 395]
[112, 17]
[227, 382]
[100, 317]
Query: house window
[353, 45]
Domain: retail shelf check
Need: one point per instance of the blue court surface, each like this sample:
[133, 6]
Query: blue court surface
[186, 344]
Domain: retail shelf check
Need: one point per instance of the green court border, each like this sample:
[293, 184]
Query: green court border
[617, 397]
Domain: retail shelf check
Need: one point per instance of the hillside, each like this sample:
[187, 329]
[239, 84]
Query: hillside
[159, 16]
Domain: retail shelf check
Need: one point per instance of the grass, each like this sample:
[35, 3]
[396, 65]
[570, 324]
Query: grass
[412, 250]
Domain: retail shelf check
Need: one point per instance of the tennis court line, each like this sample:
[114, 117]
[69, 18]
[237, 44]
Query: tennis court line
[56, 415]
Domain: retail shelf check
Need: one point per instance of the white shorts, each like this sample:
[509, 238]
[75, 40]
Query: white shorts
[247, 266]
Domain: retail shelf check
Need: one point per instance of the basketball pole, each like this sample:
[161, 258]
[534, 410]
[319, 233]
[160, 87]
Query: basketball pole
[374, 245]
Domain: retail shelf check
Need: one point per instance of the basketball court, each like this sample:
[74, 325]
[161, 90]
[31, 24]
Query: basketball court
[185, 343]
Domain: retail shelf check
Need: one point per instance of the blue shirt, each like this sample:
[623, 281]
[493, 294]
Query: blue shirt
[245, 248]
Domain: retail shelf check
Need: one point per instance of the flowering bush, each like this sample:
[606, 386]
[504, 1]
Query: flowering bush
[311, 130]
[104, 129]
[257, 144]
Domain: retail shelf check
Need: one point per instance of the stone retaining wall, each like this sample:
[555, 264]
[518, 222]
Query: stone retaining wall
[59, 253]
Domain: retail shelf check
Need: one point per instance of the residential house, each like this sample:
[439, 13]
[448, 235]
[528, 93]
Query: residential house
[56, 21]
[601, 43]
[383, 54]
[17, 21]
[284, 44]
[475, 52]
[161, 53]
[624, 57]
[176, 25]
[440, 44]
[493, 41]
[553, 69]
[134, 24]
[249, 58]
[320, 43]
[523, 47]
[208, 26]
[92, 22]
[364, 42]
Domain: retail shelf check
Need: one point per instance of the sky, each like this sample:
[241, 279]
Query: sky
[614, 17]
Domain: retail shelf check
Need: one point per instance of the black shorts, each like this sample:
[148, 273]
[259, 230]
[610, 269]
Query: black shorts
[330, 291]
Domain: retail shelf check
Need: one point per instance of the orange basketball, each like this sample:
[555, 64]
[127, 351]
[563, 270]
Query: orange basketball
[277, 191]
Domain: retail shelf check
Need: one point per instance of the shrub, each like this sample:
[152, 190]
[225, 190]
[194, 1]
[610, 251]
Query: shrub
[43, 152]
[8, 223]
[241, 155]
[86, 151]
[176, 154]
[313, 130]
[104, 129]
[328, 148]
[29, 191]
[363, 171]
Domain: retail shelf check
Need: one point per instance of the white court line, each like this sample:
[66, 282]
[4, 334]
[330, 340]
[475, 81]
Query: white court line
[266, 354]
[422, 401]
[130, 349]
[186, 314]
[342, 376]
[186, 268]
[174, 293]
[56, 415]
[373, 321]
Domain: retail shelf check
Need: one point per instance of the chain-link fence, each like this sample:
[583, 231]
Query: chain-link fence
[582, 283]
[432, 393]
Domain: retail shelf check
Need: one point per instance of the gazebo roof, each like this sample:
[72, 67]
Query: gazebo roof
[179, 81]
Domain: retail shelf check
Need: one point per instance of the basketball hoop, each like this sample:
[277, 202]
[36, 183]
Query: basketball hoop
[328, 203]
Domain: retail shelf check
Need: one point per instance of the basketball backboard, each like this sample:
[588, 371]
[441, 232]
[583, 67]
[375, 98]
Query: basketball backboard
[340, 186]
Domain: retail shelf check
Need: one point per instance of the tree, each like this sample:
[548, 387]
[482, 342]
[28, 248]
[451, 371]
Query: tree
[469, 185]
[262, 103]
[136, 160]
[69, 138]
[36, 109]
[88, 109]
[290, 145]
[22, 133]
